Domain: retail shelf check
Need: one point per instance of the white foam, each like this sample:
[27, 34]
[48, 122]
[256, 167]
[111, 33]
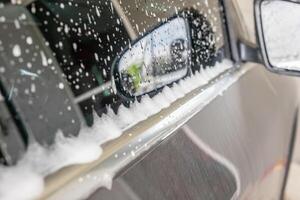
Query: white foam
[169, 94]
[125, 117]
[40, 161]
[149, 107]
[20, 183]
[161, 101]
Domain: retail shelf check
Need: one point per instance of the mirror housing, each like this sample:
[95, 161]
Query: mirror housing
[157, 59]
[278, 34]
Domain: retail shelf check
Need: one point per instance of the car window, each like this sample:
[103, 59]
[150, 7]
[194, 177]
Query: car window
[71, 46]
[143, 15]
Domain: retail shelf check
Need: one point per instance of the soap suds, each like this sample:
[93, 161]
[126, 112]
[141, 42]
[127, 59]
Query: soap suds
[20, 183]
[41, 161]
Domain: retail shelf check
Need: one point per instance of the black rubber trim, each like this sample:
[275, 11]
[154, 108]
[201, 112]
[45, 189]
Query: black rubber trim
[290, 153]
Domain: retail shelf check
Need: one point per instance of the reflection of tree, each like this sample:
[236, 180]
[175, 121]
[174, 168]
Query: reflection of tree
[131, 77]
[203, 40]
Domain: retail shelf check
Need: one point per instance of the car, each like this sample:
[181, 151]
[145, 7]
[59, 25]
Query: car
[157, 99]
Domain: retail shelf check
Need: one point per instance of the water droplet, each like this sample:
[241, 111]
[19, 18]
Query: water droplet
[61, 86]
[29, 40]
[16, 50]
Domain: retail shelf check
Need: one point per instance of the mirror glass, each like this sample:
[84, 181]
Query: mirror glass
[159, 58]
[281, 31]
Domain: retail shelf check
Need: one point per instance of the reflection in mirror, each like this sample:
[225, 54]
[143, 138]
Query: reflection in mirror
[281, 29]
[158, 59]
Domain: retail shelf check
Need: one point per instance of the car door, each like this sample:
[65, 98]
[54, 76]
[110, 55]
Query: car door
[223, 130]
[232, 149]
[226, 148]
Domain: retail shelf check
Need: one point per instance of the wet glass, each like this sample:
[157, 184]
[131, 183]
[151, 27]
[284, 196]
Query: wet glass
[281, 30]
[85, 38]
[80, 41]
[158, 59]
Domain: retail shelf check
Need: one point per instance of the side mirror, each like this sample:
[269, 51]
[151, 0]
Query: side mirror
[157, 59]
[278, 32]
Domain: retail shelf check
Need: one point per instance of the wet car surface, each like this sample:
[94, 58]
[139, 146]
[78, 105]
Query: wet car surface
[140, 100]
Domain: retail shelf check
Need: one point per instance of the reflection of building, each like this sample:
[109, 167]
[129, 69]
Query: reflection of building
[175, 56]
[131, 77]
